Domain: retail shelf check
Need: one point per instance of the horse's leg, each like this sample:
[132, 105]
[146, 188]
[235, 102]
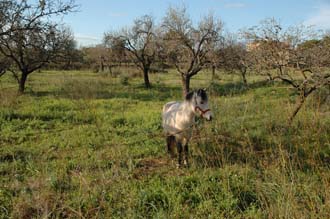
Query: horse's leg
[170, 140]
[179, 145]
[186, 154]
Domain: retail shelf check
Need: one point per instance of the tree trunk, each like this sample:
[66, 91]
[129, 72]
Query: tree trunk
[21, 82]
[298, 107]
[243, 71]
[146, 77]
[303, 98]
[185, 84]
[102, 66]
[2, 72]
[213, 72]
[270, 77]
[110, 70]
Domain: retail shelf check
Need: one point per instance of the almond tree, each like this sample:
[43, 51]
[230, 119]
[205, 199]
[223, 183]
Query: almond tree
[96, 57]
[233, 56]
[188, 46]
[282, 51]
[116, 52]
[27, 36]
[140, 41]
[4, 64]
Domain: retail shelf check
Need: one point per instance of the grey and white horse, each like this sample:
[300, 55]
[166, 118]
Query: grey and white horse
[178, 119]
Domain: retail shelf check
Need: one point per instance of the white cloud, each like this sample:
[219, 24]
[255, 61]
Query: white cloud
[235, 5]
[321, 19]
[87, 40]
[87, 37]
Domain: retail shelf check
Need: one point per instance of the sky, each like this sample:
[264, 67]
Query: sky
[95, 17]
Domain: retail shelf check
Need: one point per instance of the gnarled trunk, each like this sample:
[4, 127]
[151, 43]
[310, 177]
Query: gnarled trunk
[243, 73]
[146, 77]
[296, 110]
[21, 82]
[185, 79]
[302, 100]
[213, 71]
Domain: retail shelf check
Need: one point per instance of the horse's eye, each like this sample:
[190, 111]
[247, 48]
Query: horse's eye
[202, 102]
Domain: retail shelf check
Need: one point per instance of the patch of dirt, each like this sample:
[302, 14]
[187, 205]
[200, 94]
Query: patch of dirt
[156, 166]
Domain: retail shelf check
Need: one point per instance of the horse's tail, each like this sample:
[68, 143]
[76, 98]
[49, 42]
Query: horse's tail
[170, 140]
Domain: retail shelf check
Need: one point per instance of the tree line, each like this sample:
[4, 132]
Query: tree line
[296, 55]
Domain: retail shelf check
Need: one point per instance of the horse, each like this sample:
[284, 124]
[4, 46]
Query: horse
[178, 119]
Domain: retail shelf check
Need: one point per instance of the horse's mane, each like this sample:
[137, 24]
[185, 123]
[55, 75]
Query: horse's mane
[199, 92]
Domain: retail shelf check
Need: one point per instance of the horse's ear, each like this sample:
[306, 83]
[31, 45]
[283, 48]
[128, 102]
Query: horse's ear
[189, 96]
[201, 90]
[202, 94]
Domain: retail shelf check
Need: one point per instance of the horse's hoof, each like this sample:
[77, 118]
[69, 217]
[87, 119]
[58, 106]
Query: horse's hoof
[186, 164]
[179, 166]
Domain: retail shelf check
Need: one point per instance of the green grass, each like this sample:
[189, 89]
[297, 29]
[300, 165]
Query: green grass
[86, 145]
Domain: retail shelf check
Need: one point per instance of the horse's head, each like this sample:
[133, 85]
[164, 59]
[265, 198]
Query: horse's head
[199, 102]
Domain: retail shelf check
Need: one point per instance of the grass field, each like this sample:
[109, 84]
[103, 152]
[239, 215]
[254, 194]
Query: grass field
[87, 145]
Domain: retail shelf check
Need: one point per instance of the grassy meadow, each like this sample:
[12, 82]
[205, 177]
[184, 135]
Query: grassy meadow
[80, 144]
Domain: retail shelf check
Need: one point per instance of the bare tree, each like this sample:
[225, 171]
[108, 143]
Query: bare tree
[96, 57]
[9, 11]
[116, 52]
[281, 50]
[68, 56]
[188, 46]
[268, 44]
[140, 41]
[32, 50]
[233, 56]
[29, 38]
[314, 52]
[13, 13]
[4, 65]
[312, 62]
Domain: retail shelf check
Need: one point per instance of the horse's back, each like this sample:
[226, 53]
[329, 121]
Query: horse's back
[167, 116]
[174, 123]
[169, 105]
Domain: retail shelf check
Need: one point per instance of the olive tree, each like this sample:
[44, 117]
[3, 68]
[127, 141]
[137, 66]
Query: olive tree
[189, 45]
